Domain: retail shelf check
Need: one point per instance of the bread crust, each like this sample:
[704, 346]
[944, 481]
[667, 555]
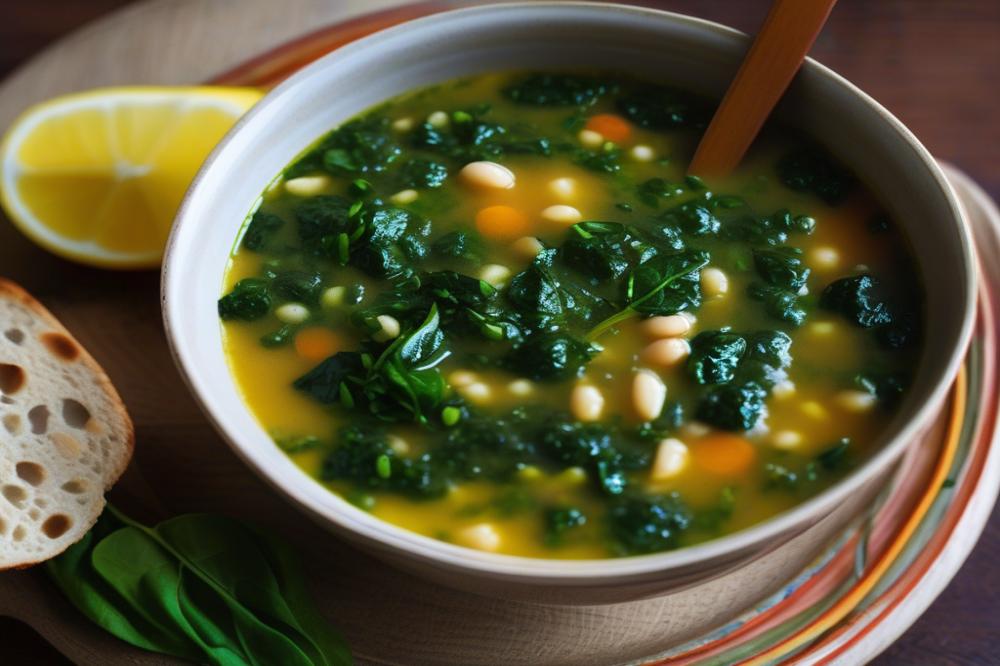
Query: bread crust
[12, 291]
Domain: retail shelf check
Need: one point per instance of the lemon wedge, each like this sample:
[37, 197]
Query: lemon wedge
[97, 177]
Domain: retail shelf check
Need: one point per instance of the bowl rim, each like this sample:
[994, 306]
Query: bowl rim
[387, 536]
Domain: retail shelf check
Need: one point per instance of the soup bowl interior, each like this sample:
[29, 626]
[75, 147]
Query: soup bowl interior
[678, 50]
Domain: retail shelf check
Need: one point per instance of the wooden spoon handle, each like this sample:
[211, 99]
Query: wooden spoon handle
[777, 52]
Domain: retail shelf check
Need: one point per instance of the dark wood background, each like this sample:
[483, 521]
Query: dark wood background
[933, 63]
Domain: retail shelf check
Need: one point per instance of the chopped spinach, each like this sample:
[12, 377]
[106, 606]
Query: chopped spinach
[662, 284]
[423, 173]
[558, 90]
[250, 299]
[662, 108]
[781, 267]
[715, 356]
[813, 170]
[859, 299]
[550, 356]
[640, 524]
[560, 521]
[300, 286]
[733, 406]
[262, 228]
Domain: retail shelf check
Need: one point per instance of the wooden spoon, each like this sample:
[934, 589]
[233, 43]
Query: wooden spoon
[777, 52]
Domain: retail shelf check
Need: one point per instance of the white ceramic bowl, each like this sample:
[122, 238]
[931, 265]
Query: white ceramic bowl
[683, 51]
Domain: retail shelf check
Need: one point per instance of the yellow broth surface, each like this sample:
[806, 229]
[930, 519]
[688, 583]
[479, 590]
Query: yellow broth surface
[789, 454]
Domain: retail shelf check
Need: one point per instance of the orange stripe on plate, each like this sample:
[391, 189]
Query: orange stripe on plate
[843, 607]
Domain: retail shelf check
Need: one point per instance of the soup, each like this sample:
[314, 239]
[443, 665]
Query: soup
[499, 313]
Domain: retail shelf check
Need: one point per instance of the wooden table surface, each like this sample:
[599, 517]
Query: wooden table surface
[934, 64]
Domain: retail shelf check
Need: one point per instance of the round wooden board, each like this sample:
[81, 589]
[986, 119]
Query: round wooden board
[182, 465]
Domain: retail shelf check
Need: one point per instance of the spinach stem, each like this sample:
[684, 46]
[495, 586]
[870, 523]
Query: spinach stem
[631, 310]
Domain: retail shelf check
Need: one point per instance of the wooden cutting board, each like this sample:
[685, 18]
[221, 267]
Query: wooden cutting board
[182, 465]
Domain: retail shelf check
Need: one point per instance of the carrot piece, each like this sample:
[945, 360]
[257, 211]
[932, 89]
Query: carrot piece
[723, 454]
[611, 127]
[502, 223]
[316, 343]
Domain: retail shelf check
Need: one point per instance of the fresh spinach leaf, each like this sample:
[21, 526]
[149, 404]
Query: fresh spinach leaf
[198, 587]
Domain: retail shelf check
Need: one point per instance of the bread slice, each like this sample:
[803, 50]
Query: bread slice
[65, 436]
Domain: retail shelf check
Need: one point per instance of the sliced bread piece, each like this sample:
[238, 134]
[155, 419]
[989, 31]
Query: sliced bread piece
[65, 436]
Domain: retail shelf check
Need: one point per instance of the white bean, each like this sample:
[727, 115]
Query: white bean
[574, 475]
[856, 401]
[527, 247]
[586, 402]
[460, 378]
[695, 429]
[590, 138]
[562, 214]
[786, 440]
[822, 327]
[438, 119]
[521, 387]
[563, 188]
[529, 473]
[814, 410]
[398, 444]
[824, 258]
[292, 313]
[404, 197]
[402, 124]
[307, 186]
[666, 353]
[495, 274]
[389, 330]
[642, 153]
[477, 392]
[333, 297]
[482, 536]
[671, 458]
[665, 326]
[648, 394]
[714, 282]
[487, 175]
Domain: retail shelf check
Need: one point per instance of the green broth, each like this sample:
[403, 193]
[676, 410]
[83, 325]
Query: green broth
[363, 329]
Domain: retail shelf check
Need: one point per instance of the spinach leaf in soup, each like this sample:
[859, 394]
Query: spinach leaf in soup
[662, 284]
[662, 108]
[733, 406]
[781, 267]
[558, 90]
[361, 146]
[812, 169]
[640, 524]
[262, 228]
[550, 356]
[715, 356]
[859, 299]
[249, 300]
